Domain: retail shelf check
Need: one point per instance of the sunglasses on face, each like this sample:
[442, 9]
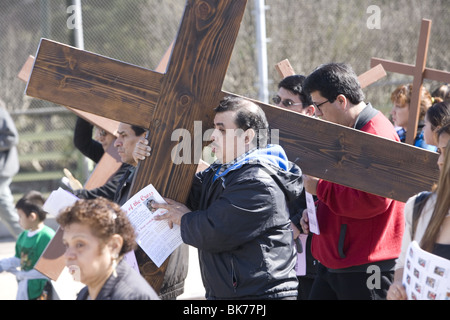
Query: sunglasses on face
[287, 103]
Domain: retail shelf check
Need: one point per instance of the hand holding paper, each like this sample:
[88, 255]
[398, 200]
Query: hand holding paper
[175, 211]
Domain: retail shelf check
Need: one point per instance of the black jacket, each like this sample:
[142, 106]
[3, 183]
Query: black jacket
[128, 285]
[109, 189]
[240, 224]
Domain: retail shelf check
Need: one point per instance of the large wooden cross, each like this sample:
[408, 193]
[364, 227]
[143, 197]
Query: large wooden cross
[419, 72]
[192, 87]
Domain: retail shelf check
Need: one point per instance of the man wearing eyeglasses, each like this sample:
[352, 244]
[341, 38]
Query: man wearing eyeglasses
[359, 232]
[291, 96]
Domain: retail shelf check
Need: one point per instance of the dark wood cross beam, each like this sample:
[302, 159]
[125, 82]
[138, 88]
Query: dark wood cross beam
[189, 91]
[419, 72]
[369, 77]
[110, 161]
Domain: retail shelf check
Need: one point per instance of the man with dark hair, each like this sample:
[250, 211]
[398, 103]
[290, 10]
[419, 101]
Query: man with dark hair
[291, 95]
[359, 232]
[237, 213]
[127, 137]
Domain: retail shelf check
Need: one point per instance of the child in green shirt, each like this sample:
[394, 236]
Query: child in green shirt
[30, 244]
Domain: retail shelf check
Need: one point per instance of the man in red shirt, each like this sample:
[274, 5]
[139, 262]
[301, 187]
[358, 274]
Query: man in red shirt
[359, 232]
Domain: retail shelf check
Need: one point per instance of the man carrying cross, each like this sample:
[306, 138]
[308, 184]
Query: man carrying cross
[237, 212]
[359, 232]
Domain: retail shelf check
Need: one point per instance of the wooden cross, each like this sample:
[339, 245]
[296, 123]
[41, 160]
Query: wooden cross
[191, 88]
[285, 69]
[419, 72]
[110, 161]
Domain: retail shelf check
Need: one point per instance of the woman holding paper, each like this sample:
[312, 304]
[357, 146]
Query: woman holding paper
[97, 234]
[432, 227]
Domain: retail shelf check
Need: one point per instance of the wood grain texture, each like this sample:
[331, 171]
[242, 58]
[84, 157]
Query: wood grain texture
[190, 90]
[113, 89]
[351, 157]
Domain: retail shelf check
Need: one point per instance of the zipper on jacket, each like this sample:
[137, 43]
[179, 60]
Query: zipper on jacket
[233, 275]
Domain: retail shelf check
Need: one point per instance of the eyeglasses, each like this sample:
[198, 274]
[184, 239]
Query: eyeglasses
[287, 103]
[320, 104]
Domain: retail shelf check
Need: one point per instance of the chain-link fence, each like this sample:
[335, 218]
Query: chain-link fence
[306, 32]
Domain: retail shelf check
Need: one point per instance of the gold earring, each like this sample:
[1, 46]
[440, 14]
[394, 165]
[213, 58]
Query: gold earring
[114, 265]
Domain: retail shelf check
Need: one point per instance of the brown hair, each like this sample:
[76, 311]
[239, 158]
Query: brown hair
[442, 207]
[402, 96]
[105, 219]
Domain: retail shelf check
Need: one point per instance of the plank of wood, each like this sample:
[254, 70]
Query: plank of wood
[113, 89]
[284, 69]
[371, 76]
[104, 123]
[105, 168]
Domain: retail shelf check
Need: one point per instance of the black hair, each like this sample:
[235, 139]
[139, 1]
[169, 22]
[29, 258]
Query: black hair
[248, 116]
[32, 201]
[138, 130]
[294, 84]
[334, 79]
[437, 113]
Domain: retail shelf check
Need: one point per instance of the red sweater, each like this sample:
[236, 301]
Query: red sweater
[369, 227]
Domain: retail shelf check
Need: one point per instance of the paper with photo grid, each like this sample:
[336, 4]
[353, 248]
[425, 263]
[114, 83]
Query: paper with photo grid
[154, 237]
[425, 275]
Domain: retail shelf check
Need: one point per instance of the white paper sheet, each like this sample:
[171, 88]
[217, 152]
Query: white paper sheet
[312, 217]
[154, 237]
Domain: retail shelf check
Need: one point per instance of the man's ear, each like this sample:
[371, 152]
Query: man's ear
[342, 100]
[249, 136]
[310, 110]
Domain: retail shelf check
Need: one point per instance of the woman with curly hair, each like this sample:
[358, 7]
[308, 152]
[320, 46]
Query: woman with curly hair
[97, 234]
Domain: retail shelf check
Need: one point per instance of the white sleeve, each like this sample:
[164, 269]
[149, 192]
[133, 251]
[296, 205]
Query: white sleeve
[406, 240]
[9, 264]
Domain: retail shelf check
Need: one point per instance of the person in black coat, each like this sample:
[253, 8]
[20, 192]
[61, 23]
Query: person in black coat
[237, 214]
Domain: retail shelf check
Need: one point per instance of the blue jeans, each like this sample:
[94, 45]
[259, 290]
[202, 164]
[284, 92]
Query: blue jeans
[8, 213]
